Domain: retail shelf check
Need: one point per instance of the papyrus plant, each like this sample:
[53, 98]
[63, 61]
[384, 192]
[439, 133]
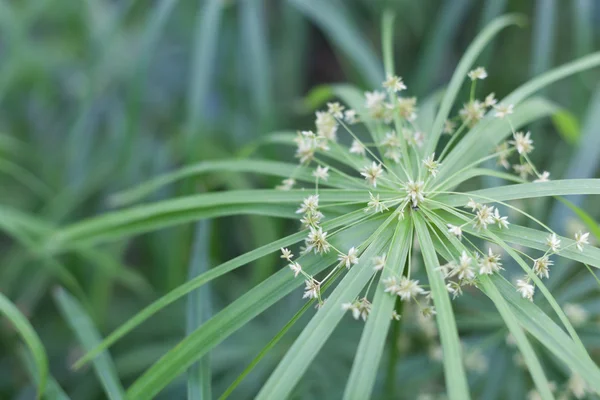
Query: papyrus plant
[375, 183]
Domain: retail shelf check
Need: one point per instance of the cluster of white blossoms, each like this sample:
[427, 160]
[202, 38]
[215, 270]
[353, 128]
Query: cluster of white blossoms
[541, 265]
[407, 180]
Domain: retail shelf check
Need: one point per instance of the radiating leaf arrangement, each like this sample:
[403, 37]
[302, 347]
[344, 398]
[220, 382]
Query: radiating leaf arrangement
[386, 229]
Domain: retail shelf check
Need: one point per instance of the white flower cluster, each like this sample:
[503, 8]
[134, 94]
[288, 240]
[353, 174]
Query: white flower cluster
[541, 265]
[466, 269]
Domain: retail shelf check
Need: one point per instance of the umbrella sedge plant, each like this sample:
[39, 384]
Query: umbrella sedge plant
[374, 185]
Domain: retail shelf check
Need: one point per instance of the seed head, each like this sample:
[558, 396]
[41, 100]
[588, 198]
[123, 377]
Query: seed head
[372, 172]
[349, 259]
[581, 239]
[478, 73]
[525, 288]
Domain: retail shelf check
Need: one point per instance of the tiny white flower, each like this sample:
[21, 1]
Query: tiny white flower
[544, 177]
[455, 230]
[312, 218]
[350, 117]
[296, 268]
[490, 264]
[523, 142]
[312, 289]
[541, 267]
[408, 289]
[326, 125]
[463, 269]
[502, 222]
[525, 288]
[349, 259]
[432, 165]
[553, 242]
[449, 127]
[454, 289]
[360, 308]
[473, 205]
[336, 109]
[391, 139]
[576, 313]
[375, 104]
[286, 254]
[317, 241]
[428, 311]
[490, 100]
[406, 107]
[577, 386]
[415, 191]
[394, 84]
[391, 285]
[581, 239]
[379, 262]
[524, 170]
[393, 154]
[395, 316]
[503, 110]
[478, 73]
[472, 112]
[372, 172]
[357, 148]
[286, 184]
[321, 173]
[484, 217]
[375, 203]
[309, 204]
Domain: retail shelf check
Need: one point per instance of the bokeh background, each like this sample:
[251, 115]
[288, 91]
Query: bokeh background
[98, 95]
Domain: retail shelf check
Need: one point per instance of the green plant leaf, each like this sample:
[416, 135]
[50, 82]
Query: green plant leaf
[293, 365]
[199, 310]
[372, 342]
[456, 380]
[536, 322]
[83, 328]
[524, 191]
[533, 363]
[253, 166]
[161, 214]
[460, 74]
[31, 339]
[567, 126]
[491, 132]
[236, 315]
[53, 390]
[208, 21]
[213, 273]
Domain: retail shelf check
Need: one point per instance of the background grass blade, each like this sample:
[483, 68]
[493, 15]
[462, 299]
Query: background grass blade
[456, 380]
[199, 310]
[83, 328]
[31, 339]
[204, 53]
[438, 44]
[53, 391]
[372, 341]
[256, 50]
[585, 161]
[333, 19]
